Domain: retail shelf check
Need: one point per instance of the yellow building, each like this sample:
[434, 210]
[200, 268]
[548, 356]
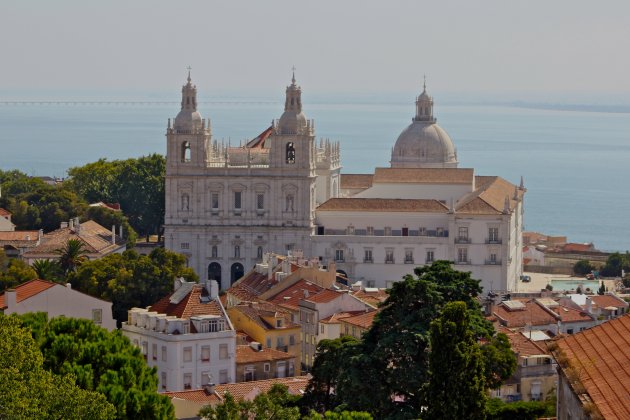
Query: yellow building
[269, 325]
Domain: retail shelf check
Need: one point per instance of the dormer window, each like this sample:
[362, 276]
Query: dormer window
[278, 323]
[290, 153]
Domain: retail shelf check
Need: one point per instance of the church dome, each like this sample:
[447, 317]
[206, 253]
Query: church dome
[293, 120]
[188, 119]
[424, 144]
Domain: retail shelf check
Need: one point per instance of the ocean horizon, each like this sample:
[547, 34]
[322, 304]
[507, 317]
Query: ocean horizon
[574, 160]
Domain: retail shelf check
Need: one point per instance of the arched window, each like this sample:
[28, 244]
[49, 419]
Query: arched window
[236, 272]
[185, 202]
[290, 155]
[259, 253]
[186, 151]
[289, 202]
[237, 251]
[214, 272]
[215, 252]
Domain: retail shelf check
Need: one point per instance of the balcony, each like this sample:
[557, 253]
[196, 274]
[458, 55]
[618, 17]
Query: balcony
[462, 262]
[429, 261]
[390, 261]
[494, 241]
[368, 260]
[408, 260]
[493, 262]
[535, 397]
[463, 240]
[283, 348]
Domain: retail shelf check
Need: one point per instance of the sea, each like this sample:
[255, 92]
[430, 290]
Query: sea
[575, 164]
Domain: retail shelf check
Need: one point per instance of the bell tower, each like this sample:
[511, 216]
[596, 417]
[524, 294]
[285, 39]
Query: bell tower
[187, 138]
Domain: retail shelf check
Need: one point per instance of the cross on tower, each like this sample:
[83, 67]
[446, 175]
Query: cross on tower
[293, 78]
[189, 69]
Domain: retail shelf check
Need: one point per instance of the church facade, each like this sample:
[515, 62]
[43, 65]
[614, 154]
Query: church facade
[226, 206]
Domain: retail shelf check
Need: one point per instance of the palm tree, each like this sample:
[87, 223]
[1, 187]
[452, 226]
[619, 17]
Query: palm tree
[71, 255]
[47, 269]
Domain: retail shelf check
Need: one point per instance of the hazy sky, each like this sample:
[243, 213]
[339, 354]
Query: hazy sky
[493, 47]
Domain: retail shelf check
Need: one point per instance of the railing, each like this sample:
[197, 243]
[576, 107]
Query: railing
[460, 262]
[493, 262]
[462, 240]
[283, 348]
[408, 260]
[381, 232]
[535, 397]
[389, 261]
[368, 260]
[494, 241]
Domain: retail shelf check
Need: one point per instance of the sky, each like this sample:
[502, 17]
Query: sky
[557, 50]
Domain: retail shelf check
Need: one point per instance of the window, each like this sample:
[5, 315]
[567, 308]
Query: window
[267, 367]
[493, 258]
[237, 251]
[493, 234]
[280, 342]
[321, 329]
[97, 316]
[187, 380]
[388, 231]
[214, 201]
[290, 153]
[260, 201]
[238, 203]
[405, 231]
[292, 340]
[185, 245]
[223, 376]
[339, 255]
[163, 380]
[368, 256]
[187, 354]
[569, 330]
[145, 349]
[249, 373]
[289, 202]
[408, 256]
[154, 351]
[186, 151]
[268, 342]
[205, 378]
[215, 252]
[370, 230]
[205, 353]
[223, 351]
[259, 252]
[350, 230]
[164, 353]
[279, 323]
[422, 231]
[462, 255]
[389, 256]
[430, 256]
[462, 234]
[439, 231]
[370, 283]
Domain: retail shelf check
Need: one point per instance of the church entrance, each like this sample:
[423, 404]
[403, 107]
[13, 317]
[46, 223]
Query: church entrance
[237, 272]
[214, 272]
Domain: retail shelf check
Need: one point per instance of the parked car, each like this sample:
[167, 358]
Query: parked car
[526, 279]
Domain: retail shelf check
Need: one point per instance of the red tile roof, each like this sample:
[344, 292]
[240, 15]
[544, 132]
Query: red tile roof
[291, 296]
[601, 358]
[324, 296]
[27, 290]
[246, 354]
[571, 247]
[489, 198]
[190, 305]
[604, 301]
[364, 320]
[383, 204]
[258, 310]
[354, 181]
[337, 317]
[521, 344]
[424, 175]
[371, 296]
[4, 212]
[200, 396]
[532, 314]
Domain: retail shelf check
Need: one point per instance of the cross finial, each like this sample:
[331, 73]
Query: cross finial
[189, 69]
[425, 82]
[293, 78]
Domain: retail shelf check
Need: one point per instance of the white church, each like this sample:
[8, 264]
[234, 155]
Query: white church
[226, 206]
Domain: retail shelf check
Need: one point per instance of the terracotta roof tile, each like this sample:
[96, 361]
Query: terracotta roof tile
[353, 181]
[532, 314]
[601, 356]
[338, 316]
[4, 212]
[291, 296]
[489, 198]
[27, 290]
[521, 344]
[604, 301]
[324, 296]
[424, 175]
[190, 305]
[246, 354]
[200, 396]
[372, 297]
[364, 320]
[96, 239]
[258, 310]
[383, 204]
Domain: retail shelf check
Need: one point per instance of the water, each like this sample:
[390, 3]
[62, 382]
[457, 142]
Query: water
[576, 165]
[567, 285]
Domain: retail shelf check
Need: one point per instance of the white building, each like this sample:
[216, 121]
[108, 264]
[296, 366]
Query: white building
[56, 300]
[187, 336]
[226, 206]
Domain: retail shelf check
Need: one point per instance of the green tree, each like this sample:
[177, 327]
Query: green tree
[500, 361]
[131, 279]
[48, 270]
[521, 410]
[602, 289]
[456, 368]
[71, 255]
[327, 371]
[277, 403]
[582, 267]
[14, 273]
[105, 362]
[29, 391]
[615, 263]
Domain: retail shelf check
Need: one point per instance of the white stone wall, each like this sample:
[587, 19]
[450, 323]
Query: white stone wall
[62, 300]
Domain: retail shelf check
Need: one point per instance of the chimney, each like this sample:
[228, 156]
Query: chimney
[270, 268]
[177, 283]
[77, 225]
[63, 225]
[113, 234]
[589, 305]
[256, 346]
[69, 286]
[71, 224]
[10, 300]
[212, 286]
